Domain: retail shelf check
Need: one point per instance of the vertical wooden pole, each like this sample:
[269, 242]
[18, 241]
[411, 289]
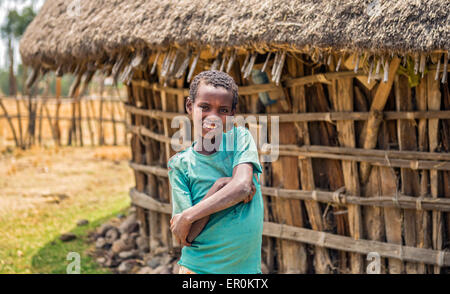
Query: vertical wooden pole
[80, 120]
[40, 107]
[89, 117]
[151, 151]
[346, 136]
[368, 140]
[406, 133]
[11, 125]
[292, 256]
[322, 261]
[19, 122]
[423, 217]
[113, 118]
[101, 138]
[58, 105]
[370, 131]
[139, 158]
[434, 103]
[372, 216]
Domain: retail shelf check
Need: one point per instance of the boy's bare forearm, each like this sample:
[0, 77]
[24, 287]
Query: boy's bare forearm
[197, 226]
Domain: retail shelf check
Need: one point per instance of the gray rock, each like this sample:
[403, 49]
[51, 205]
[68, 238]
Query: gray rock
[104, 228]
[142, 244]
[145, 270]
[128, 254]
[126, 266]
[158, 251]
[129, 225]
[101, 260]
[111, 262]
[120, 215]
[165, 270]
[175, 268]
[82, 222]
[67, 237]
[161, 269]
[112, 235]
[166, 259]
[100, 243]
[120, 245]
[154, 262]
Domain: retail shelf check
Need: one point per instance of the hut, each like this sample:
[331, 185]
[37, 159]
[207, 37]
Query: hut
[360, 90]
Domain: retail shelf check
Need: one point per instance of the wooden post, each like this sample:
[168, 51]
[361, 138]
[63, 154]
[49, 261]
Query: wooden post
[406, 134]
[79, 127]
[89, 117]
[19, 122]
[372, 215]
[292, 257]
[101, 138]
[370, 132]
[151, 151]
[423, 217]
[138, 149]
[346, 136]
[113, 122]
[40, 107]
[434, 103]
[58, 105]
[11, 125]
[322, 261]
[392, 215]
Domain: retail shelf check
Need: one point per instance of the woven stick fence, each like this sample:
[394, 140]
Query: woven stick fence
[96, 121]
[363, 165]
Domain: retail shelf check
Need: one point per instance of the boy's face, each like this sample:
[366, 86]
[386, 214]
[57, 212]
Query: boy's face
[210, 109]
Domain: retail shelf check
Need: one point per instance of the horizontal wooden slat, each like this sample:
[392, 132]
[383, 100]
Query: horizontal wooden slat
[298, 117]
[348, 244]
[291, 151]
[143, 200]
[402, 201]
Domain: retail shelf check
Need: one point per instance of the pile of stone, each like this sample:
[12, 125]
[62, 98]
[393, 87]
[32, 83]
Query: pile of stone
[120, 247]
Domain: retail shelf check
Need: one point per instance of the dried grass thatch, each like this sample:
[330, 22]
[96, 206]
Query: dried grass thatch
[104, 27]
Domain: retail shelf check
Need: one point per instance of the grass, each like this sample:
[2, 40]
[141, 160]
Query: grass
[97, 190]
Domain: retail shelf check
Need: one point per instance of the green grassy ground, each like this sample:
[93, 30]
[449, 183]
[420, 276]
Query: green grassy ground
[29, 239]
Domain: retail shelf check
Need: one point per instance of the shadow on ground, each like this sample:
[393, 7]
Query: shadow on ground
[52, 257]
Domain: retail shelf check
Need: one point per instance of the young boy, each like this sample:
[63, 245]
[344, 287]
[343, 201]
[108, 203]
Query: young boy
[216, 194]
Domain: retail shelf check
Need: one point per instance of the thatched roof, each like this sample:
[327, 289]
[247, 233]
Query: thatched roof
[105, 26]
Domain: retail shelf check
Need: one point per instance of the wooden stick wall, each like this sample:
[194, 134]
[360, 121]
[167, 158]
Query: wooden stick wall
[360, 169]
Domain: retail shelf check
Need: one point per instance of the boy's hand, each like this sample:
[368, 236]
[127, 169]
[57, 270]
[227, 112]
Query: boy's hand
[180, 227]
[250, 196]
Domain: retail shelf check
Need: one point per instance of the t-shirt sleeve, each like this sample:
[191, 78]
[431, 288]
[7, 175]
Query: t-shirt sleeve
[245, 150]
[181, 195]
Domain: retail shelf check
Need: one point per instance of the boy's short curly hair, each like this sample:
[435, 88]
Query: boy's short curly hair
[216, 79]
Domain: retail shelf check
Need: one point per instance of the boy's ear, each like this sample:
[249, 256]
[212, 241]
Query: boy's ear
[189, 105]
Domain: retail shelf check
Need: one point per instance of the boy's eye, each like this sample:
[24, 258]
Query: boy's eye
[204, 107]
[224, 110]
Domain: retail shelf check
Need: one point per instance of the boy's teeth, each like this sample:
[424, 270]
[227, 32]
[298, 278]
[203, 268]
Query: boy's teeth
[209, 125]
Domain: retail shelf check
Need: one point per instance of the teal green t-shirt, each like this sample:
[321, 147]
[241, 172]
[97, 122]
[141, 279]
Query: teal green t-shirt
[231, 241]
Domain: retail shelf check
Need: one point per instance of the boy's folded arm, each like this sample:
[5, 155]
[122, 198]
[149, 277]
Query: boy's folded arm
[198, 225]
[234, 192]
